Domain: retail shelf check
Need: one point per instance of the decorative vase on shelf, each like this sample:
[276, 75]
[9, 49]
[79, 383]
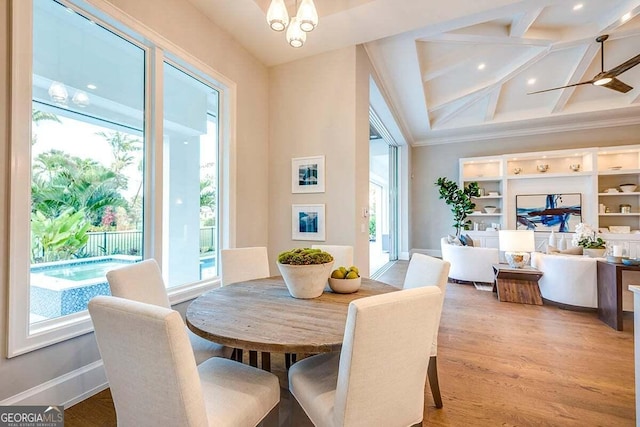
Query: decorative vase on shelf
[594, 252]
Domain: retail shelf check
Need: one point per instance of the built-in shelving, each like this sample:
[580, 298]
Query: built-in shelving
[588, 172]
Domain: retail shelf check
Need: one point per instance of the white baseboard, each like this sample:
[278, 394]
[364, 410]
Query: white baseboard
[404, 256]
[431, 252]
[67, 389]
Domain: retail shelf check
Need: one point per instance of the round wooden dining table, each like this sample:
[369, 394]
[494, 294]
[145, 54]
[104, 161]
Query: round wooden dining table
[261, 315]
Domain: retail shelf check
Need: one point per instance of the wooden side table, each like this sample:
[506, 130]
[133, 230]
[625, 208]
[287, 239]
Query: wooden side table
[517, 284]
[610, 292]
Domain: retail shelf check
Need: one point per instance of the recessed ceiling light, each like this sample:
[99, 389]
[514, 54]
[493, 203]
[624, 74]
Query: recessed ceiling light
[92, 86]
[531, 81]
[578, 6]
[626, 17]
[481, 66]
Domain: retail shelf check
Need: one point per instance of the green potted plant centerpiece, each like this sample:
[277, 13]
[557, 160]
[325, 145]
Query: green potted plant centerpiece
[305, 271]
[459, 199]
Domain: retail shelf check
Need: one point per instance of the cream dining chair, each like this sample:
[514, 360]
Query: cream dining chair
[363, 385]
[342, 255]
[143, 282]
[423, 271]
[154, 379]
[239, 265]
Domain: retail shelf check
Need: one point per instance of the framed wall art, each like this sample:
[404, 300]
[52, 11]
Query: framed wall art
[548, 212]
[307, 174]
[307, 222]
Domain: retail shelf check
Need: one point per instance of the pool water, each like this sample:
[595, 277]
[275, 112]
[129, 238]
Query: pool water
[79, 272]
[65, 287]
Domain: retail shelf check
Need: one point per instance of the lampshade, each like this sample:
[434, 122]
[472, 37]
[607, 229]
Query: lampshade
[516, 245]
[277, 15]
[517, 240]
[295, 36]
[307, 15]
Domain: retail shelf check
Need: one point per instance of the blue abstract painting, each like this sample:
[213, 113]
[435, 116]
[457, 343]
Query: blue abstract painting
[548, 212]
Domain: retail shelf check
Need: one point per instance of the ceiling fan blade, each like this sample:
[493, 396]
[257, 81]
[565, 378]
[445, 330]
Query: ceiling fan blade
[562, 87]
[616, 84]
[624, 66]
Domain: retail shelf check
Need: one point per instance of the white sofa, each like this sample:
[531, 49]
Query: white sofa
[470, 263]
[567, 279]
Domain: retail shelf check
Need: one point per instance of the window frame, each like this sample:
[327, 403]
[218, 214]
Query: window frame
[22, 338]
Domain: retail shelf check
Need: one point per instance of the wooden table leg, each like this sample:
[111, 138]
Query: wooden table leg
[266, 361]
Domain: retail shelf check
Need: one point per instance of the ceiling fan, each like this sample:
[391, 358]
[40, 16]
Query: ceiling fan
[605, 78]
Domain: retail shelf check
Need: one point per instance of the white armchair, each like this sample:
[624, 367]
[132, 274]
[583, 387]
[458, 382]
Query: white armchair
[470, 263]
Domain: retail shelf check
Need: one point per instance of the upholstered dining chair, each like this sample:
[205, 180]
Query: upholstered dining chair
[143, 282]
[424, 270]
[363, 385]
[238, 265]
[154, 379]
[342, 255]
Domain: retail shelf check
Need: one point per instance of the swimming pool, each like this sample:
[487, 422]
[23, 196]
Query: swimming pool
[65, 287]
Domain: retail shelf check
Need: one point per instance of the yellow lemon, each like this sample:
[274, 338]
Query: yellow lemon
[354, 268]
[352, 275]
[337, 274]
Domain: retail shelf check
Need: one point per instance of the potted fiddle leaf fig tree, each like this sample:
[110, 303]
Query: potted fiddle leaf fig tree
[459, 199]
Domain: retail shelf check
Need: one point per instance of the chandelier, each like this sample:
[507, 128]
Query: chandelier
[305, 20]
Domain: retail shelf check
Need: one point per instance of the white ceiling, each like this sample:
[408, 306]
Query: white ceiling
[427, 54]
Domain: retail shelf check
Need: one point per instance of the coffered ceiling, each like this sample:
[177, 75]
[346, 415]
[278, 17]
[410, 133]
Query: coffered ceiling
[461, 71]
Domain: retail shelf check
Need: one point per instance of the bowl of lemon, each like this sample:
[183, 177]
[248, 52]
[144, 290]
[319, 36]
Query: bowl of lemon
[345, 280]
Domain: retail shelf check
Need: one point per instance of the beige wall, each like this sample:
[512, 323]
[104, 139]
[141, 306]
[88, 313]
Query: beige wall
[431, 217]
[319, 106]
[184, 26]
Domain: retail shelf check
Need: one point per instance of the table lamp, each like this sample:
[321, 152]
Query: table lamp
[516, 245]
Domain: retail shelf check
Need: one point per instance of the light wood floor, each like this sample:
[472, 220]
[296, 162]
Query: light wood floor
[501, 364]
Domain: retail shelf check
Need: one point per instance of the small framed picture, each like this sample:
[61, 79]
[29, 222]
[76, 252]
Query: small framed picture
[307, 174]
[307, 222]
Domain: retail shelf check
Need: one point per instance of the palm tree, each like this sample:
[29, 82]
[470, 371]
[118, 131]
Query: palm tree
[122, 145]
[38, 116]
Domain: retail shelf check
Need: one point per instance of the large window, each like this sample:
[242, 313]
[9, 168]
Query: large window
[99, 192]
[191, 179]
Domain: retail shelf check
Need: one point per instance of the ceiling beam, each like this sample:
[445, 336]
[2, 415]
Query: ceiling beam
[524, 64]
[636, 100]
[577, 75]
[613, 20]
[482, 39]
[520, 25]
[493, 104]
[475, 95]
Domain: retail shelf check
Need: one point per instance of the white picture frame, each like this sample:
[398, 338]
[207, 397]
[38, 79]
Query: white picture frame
[307, 222]
[307, 174]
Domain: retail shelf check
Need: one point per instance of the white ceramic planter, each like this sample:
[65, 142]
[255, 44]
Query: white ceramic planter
[305, 281]
[594, 253]
[344, 286]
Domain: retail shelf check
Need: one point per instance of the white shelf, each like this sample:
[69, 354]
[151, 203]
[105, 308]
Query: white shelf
[490, 197]
[621, 193]
[482, 178]
[485, 214]
[620, 172]
[548, 175]
[620, 214]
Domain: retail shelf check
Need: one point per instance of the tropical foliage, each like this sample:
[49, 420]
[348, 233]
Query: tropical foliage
[59, 237]
[71, 196]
